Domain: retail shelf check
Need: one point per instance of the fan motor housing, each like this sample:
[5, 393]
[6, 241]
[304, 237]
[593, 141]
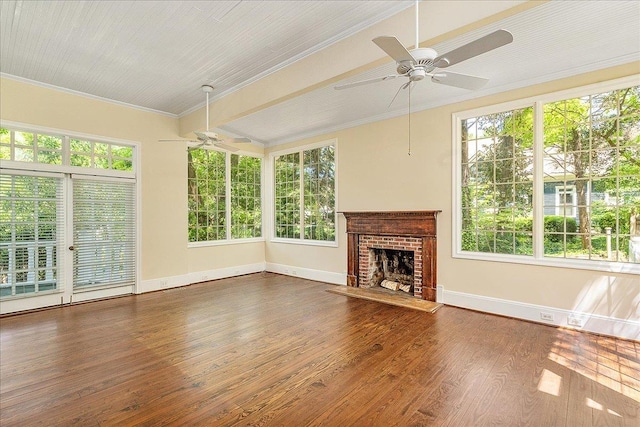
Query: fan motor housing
[424, 57]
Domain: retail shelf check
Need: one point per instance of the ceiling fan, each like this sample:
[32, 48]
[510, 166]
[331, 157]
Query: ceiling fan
[418, 63]
[208, 138]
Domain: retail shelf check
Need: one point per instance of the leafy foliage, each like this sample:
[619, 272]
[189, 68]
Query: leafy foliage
[208, 192]
[590, 143]
[306, 178]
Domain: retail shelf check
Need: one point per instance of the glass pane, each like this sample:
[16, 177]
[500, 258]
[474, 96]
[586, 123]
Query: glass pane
[49, 142]
[80, 160]
[50, 157]
[28, 253]
[103, 233]
[206, 189]
[80, 146]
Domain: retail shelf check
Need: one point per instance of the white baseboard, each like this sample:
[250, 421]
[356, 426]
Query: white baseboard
[308, 273]
[621, 328]
[196, 277]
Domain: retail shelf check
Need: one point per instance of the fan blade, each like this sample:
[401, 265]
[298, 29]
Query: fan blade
[226, 146]
[176, 140]
[478, 47]
[463, 81]
[394, 48]
[366, 82]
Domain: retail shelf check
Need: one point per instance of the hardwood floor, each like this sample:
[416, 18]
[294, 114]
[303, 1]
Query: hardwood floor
[271, 350]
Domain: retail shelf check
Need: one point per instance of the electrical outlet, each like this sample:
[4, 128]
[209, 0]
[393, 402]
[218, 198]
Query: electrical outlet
[205, 277]
[294, 272]
[575, 320]
[547, 317]
[164, 283]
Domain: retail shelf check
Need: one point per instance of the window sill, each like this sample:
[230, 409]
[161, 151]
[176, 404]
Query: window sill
[333, 244]
[224, 242]
[604, 266]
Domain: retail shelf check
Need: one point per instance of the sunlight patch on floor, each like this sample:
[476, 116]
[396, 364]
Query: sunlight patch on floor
[613, 364]
[550, 383]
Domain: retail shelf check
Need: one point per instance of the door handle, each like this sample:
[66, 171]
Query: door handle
[71, 248]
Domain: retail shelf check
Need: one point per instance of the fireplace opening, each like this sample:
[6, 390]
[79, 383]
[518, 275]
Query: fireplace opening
[391, 269]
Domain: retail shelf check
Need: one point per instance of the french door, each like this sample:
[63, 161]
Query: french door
[65, 238]
[103, 237]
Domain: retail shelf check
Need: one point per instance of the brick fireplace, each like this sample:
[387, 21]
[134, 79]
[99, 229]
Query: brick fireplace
[399, 232]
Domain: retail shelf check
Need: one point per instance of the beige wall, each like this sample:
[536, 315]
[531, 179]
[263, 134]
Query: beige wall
[164, 173]
[419, 181]
[375, 173]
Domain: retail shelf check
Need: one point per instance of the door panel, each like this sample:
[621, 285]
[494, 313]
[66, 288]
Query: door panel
[104, 234]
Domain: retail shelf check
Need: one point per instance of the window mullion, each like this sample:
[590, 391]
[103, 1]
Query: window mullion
[301, 186]
[538, 180]
[228, 191]
[66, 151]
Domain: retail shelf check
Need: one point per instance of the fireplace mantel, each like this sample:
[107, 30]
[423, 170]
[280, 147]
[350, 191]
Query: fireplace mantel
[417, 224]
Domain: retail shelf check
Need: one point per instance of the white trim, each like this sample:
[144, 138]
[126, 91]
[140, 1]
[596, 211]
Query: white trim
[162, 283]
[307, 242]
[538, 184]
[606, 266]
[606, 325]
[15, 305]
[207, 243]
[307, 273]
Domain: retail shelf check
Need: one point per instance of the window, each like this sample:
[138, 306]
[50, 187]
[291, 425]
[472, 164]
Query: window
[225, 195]
[32, 147]
[304, 195]
[565, 200]
[552, 180]
[246, 197]
[496, 185]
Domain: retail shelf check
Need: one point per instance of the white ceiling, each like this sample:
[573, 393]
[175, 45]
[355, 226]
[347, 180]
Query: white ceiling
[156, 54]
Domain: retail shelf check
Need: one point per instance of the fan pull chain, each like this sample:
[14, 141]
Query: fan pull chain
[409, 153]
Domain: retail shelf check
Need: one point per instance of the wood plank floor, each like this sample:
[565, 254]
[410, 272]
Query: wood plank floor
[271, 350]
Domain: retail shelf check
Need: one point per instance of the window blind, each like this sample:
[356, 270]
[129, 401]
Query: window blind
[104, 232]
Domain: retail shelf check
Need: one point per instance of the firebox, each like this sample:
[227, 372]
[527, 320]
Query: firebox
[391, 269]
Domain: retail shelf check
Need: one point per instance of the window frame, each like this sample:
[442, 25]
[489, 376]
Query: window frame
[537, 102]
[65, 166]
[229, 240]
[271, 196]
